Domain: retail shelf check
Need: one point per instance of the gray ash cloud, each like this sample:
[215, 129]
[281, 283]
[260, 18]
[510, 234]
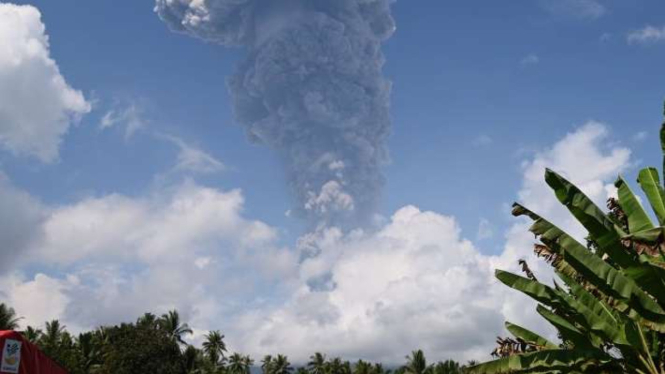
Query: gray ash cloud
[311, 88]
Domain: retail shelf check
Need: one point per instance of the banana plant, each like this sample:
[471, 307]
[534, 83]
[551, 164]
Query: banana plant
[608, 304]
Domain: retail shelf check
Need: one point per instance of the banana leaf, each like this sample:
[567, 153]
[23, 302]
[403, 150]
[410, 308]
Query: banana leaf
[650, 183]
[615, 284]
[638, 219]
[567, 330]
[533, 289]
[600, 325]
[594, 302]
[529, 336]
[662, 146]
[601, 228]
[543, 361]
[607, 235]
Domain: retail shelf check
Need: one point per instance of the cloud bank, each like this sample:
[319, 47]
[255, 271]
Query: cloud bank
[417, 283]
[184, 246]
[414, 283]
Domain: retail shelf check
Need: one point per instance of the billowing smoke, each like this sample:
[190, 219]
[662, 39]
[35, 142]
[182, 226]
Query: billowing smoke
[311, 88]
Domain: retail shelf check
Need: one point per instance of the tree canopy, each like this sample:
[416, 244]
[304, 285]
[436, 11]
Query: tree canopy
[158, 345]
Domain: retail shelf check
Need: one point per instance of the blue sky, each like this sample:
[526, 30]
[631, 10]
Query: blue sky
[458, 77]
[482, 91]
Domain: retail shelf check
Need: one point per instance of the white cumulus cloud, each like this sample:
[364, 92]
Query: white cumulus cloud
[414, 284]
[37, 106]
[184, 246]
[39, 299]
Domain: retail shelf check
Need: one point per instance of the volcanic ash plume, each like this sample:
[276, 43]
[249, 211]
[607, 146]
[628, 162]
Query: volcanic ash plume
[311, 88]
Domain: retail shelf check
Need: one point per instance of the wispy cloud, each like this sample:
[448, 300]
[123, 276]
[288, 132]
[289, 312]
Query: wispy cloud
[647, 35]
[531, 59]
[130, 116]
[193, 159]
[584, 9]
[482, 140]
[641, 136]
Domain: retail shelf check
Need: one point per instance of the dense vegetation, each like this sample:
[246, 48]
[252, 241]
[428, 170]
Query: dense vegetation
[156, 345]
[609, 305]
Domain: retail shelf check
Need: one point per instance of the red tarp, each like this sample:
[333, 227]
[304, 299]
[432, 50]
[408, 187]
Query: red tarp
[33, 361]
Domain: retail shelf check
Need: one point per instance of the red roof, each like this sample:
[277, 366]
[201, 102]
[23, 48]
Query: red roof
[32, 360]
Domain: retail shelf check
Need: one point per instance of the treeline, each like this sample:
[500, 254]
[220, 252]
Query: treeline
[156, 345]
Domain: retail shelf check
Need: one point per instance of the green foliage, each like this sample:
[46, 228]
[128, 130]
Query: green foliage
[153, 345]
[447, 367]
[8, 318]
[281, 365]
[317, 364]
[133, 350]
[416, 363]
[32, 334]
[239, 364]
[609, 305]
[170, 323]
[214, 347]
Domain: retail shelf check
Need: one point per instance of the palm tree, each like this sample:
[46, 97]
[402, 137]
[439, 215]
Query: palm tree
[171, 324]
[66, 341]
[447, 367]
[52, 333]
[416, 363]
[191, 357]
[317, 363]
[363, 367]
[239, 364]
[90, 351]
[247, 363]
[282, 365]
[32, 334]
[378, 369]
[267, 364]
[8, 318]
[335, 366]
[236, 364]
[214, 347]
[147, 320]
[346, 368]
[51, 339]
